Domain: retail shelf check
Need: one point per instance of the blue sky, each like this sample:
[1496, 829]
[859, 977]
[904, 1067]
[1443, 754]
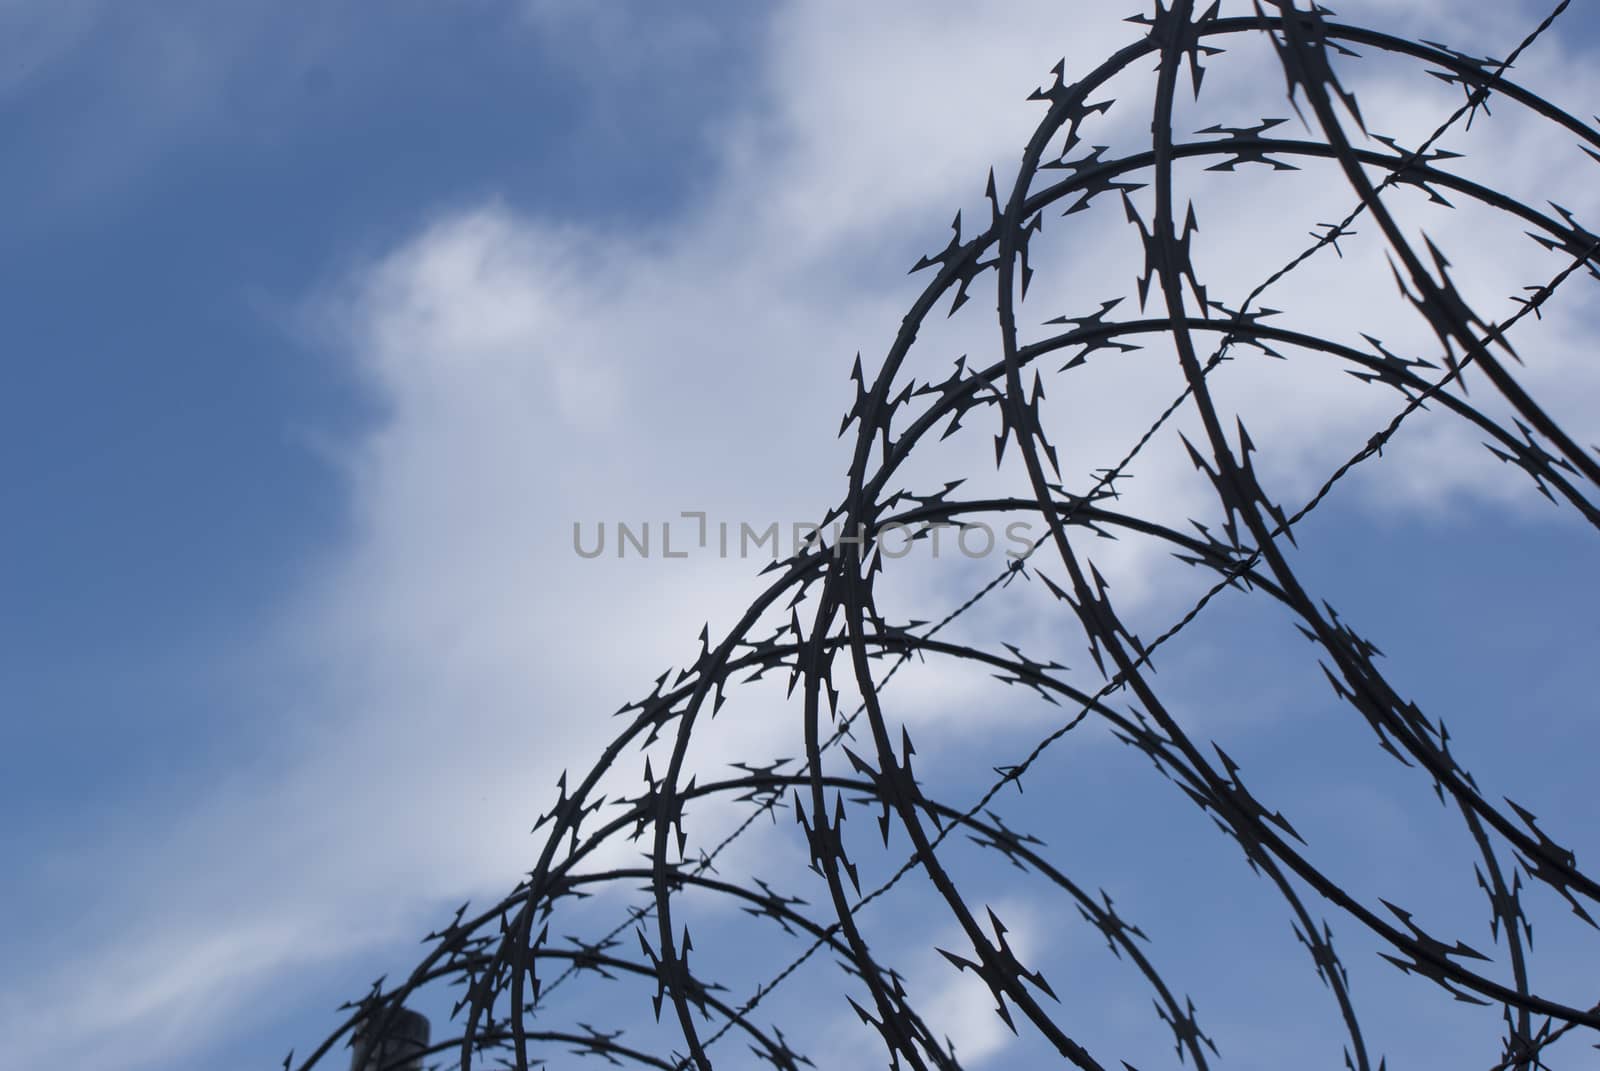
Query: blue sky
[322, 328]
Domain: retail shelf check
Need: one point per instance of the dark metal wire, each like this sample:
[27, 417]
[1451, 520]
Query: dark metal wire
[506, 1014]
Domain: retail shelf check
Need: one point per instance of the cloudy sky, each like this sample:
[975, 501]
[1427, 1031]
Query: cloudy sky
[325, 323]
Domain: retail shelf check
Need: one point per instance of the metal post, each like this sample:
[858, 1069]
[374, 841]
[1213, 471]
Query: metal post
[399, 1049]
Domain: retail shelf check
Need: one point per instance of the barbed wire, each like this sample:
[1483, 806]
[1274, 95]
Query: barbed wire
[495, 955]
[1326, 240]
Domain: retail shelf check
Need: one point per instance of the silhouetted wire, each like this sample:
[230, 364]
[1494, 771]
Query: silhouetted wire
[1013, 774]
[1330, 237]
[491, 967]
[1373, 446]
